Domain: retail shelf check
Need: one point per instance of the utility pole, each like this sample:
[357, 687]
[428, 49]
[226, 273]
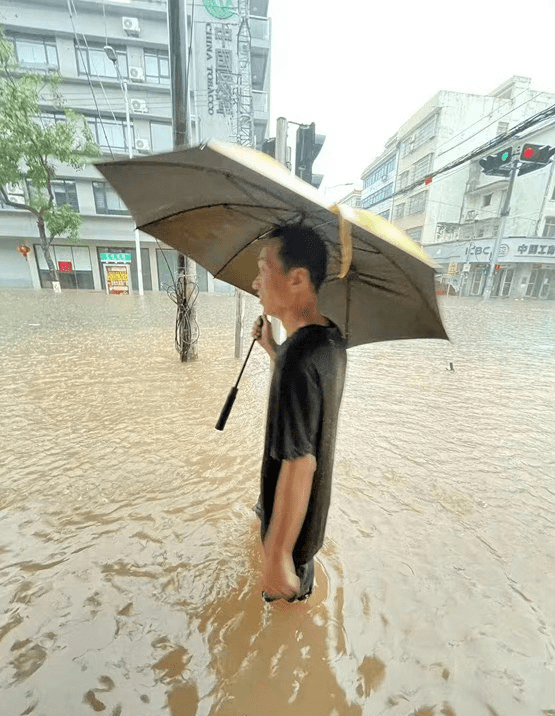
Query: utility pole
[278, 331]
[501, 230]
[187, 268]
[281, 140]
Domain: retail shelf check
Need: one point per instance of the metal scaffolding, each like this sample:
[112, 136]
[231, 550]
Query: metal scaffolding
[245, 123]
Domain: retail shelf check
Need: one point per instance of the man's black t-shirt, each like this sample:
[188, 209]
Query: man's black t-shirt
[305, 395]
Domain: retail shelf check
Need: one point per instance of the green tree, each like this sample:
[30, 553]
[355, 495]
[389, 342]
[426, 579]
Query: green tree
[32, 150]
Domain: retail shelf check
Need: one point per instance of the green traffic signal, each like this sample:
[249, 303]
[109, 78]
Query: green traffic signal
[506, 155]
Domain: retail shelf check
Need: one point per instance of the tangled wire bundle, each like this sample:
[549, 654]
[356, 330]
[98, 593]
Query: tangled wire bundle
[184, 294]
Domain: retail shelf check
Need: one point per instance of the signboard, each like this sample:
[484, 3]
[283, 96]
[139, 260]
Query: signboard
[512, 249]
[117, 279]
[222, 9]
[466, 268]
[116, 258]
[452, 270]
[65, 266]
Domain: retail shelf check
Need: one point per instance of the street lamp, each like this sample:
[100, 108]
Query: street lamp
[111, 53]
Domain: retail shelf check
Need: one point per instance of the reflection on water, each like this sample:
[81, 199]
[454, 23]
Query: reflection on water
[130, 553]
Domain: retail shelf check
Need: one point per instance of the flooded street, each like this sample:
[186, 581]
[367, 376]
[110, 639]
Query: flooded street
[130, 552]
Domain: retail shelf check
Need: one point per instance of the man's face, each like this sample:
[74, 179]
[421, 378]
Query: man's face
[272, 283]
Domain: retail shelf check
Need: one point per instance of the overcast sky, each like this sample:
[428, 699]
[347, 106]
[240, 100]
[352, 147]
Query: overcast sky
[360, 68]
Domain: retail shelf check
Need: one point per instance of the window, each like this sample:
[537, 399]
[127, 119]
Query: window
[378, 196]
[161, 137]
[403, 180]
[502, 128]
[260, 29]
[259, 8]
[399, 211]
[65, 193]
[417, 203]
[157, 67]
[36, 53]
[49, 119]
[94, 61]
[487, 200]
[78, 274]
[380, 173]
[425, 131]
[109, 134]
[385, 214]
[16, 194]
[106, 199]
[422, 167]
[258, 65]
[415, 234]
[549, 228]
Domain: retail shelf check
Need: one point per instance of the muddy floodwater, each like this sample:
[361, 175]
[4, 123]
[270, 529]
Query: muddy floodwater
[129, 551]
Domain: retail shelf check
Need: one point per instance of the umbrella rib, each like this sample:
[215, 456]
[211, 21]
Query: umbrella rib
[235, 256]
[238, 184]
[206, 206]
[369, 282]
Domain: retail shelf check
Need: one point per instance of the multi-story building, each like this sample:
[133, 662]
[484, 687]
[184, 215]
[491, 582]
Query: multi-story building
[353, 198]
[463, 204]
[228, 83]
[525, 262]
[378, 181]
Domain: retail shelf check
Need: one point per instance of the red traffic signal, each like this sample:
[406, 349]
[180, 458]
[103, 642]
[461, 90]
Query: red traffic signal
[538, 153]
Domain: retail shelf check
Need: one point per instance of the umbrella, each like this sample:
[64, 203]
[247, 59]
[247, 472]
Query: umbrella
[215, 201]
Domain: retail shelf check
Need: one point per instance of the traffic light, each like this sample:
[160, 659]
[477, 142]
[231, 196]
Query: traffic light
[269, 147]
[308, 147]
[535, 156]
[498, 164]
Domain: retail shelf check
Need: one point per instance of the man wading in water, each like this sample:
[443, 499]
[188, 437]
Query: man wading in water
[305, 395]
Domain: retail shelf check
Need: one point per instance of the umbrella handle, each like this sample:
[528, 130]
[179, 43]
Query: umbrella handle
[226, 410]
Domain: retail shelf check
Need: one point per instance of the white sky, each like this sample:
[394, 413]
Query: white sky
[361, 68]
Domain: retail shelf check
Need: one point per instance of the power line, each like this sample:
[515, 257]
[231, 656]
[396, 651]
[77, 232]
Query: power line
[482, 149]
[69, 3]
[490, 124]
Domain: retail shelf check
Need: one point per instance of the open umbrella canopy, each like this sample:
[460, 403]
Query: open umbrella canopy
[215, 202]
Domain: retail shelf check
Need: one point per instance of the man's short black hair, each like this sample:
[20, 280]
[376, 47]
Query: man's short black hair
[302, 247]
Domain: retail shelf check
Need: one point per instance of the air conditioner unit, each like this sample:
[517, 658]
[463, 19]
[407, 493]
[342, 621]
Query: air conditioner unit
[131, 26]
[139, 105]
[470, 214]
[137, 74]
[142, 145]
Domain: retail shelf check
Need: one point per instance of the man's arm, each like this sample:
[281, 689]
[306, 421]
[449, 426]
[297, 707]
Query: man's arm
[288, 514]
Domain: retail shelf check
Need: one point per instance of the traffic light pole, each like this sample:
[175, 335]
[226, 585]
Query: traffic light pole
[504, 213]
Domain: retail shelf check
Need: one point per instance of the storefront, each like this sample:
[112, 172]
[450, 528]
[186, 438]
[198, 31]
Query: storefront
[525, 267]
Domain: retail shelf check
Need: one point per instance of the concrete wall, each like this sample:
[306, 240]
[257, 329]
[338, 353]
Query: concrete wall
[15, 271]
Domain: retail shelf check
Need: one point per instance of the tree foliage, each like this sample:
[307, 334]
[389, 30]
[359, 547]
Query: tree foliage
[32, 150]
